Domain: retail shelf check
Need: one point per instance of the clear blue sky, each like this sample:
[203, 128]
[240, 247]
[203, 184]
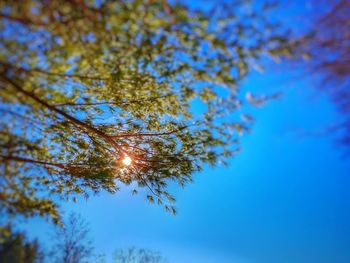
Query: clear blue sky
[284, 199]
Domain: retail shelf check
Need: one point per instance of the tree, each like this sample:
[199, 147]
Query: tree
[15, 248]
[135, 255]
[327, 44]
[97, 94]
[73, 242]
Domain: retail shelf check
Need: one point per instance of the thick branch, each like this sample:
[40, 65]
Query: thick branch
[41, 71]
[72, 119]
[63, 166]
[27, 160]
[22, 20]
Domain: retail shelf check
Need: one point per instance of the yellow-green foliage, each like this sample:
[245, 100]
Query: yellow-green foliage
[86, 83]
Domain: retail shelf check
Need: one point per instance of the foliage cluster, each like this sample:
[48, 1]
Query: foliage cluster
[85, 84]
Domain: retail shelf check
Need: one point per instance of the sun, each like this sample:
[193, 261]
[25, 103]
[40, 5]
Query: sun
[127, 160]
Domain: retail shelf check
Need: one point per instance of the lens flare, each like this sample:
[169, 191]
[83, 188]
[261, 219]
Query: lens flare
[127, 161]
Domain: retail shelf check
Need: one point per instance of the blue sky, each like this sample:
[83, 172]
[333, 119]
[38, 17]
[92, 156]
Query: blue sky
[284, 199]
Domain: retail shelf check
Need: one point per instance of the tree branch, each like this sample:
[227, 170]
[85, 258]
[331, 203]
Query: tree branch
[122, 135]
[41, 71]
[72, 104]
[72, 119]
[22, 20]
[27, 160]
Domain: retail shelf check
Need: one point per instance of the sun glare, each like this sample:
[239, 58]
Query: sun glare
[127, 160]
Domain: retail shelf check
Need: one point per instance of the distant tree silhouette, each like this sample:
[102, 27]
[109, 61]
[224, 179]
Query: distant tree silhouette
[70, 244]
[15, 248]
[138, 255]
[328, 45]
[73, 243]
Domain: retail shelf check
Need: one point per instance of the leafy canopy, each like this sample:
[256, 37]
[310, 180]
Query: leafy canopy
[15, 248]
[86, 84]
